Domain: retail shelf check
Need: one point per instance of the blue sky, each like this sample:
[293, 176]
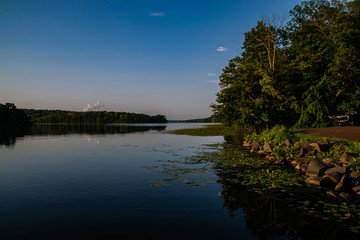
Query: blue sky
[137, 56]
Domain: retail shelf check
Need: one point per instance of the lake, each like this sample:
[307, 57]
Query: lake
[99, 182]
[140, 181]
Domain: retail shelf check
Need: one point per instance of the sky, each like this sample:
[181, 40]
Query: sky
[152, 57]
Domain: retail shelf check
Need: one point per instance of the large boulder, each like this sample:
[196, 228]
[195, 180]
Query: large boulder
[337, 169]
[316, 168]
[318, 181]
[334, 177]
[344, 184]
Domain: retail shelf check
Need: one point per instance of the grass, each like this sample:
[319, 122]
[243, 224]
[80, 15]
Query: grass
[210, 130]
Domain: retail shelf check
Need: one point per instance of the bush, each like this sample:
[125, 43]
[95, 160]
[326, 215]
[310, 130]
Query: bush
[276, 135]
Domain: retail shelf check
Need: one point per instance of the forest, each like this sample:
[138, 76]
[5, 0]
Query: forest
[59, 116]
[296, 70]
[11, 116]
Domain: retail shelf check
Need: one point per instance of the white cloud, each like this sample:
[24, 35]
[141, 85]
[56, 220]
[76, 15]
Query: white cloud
[92, 107]
[211, 74]
[221, 49]
[156, 14]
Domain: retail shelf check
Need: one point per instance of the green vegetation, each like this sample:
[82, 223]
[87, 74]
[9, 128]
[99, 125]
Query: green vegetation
[278, 134]
[10, 116]
[211, 130]
[58, 116]
[198, 120]
[295, 74]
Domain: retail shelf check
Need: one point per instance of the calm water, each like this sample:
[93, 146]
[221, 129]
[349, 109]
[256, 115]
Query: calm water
[81, 182]
[120, 182]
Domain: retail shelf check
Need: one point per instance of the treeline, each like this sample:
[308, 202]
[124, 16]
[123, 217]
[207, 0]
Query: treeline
[58, 116]
[198, 120]
[12, 117]
[295, 73]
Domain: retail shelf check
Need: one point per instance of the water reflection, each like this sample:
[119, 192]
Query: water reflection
[272, 214]
[8, 137]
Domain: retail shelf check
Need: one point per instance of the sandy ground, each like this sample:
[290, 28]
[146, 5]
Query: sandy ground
[347, 132]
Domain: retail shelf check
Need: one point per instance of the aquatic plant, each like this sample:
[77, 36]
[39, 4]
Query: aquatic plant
[210, 130]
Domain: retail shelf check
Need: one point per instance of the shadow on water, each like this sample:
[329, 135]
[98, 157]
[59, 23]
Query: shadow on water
[296, 212]
[9, 136]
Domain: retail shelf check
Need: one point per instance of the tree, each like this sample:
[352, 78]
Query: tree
[298, 74]
[251, 92]
[325, 53]
[13, 117]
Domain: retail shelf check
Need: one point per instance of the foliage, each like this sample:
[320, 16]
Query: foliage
[294, 75]
[58, 116]
[276, 135]
[11, 116]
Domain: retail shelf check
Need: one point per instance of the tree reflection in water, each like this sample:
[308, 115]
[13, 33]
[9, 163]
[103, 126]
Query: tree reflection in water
[9, 136]
[293, 212]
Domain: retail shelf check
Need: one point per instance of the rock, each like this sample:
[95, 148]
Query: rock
[261, 153]
[287, 142]
[356, 189]
[347, 157]
[328, 161]
[338, 169]
[247, 144]
[316, 168]
[355, 174]
[307, 143]
[310, 153]
[301, 153]
[270, 157]
[331, 193]
[317, 181]
[302, 160]
[304, 167]
[315, 147]
[267, 147]
[346, 196]
[280, 161]
[323, 142]
[334, 177]
[344, 184]
[254, 149]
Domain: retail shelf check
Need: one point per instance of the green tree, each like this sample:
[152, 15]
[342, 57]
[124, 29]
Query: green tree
[11, 116]
[325, 53]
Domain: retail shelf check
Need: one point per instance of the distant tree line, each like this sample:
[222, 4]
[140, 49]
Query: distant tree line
[11, 117]
[295, 73]
[58, 116]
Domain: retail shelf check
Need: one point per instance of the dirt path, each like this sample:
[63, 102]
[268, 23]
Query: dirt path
[348, 133]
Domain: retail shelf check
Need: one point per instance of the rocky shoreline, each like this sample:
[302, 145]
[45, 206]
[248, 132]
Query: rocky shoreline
[333, 174]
